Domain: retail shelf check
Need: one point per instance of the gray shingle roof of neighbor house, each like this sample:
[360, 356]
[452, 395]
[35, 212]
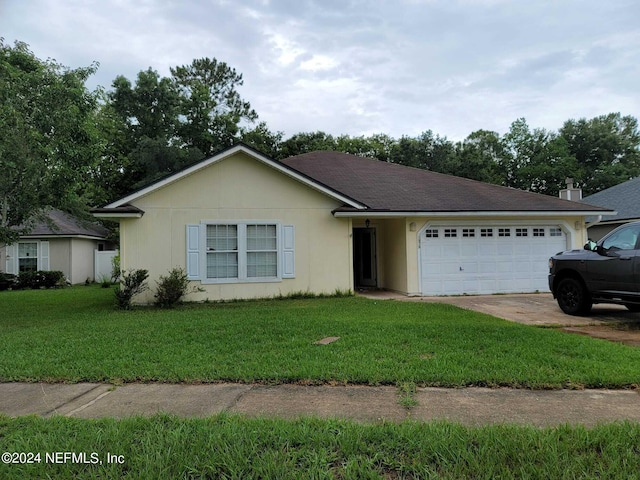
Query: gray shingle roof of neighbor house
[624, 198]
[65, 225]
[383, 186]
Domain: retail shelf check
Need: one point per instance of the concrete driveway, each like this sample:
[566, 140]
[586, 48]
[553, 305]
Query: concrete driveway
[610, 322]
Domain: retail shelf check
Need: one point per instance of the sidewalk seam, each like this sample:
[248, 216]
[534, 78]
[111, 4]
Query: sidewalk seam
[69, 401]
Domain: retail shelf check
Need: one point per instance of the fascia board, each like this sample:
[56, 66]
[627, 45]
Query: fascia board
[548, 213]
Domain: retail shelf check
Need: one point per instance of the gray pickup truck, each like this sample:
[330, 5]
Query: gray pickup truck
[603, 272]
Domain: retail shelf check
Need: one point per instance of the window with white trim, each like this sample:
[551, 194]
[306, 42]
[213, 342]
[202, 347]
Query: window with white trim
[222, 251]
[555, 232]
[468, 232]
[538, 232]
[450, 232]
[262, 251]
[431, 233]
[240, 251]
[27, 256]
[486, 232]
[504, 232]
[522, 232]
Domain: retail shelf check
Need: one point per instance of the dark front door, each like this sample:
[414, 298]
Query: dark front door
[364, 257]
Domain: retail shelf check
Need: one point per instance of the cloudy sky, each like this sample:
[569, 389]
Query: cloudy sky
[361, 67]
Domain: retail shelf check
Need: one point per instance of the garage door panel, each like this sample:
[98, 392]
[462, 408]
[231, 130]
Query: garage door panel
[504, 267]
[469, 251]
[451, 250]
[497, 259]
[469, 267]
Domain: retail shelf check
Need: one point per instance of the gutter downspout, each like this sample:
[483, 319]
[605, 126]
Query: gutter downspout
[591, 224]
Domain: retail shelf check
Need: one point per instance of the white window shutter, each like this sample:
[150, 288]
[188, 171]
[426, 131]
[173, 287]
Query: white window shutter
[11, 264]
[193, 252]
[44, 256]
[288, 251]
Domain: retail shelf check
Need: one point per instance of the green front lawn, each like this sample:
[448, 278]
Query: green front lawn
[75, 335]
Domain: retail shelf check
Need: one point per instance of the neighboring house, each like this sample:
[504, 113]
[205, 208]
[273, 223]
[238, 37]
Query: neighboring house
[623, 198]
[62, 243]
[244, 226]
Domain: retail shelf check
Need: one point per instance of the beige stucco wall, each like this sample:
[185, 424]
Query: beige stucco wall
[60, 256]
[240, 188]
[82, 260]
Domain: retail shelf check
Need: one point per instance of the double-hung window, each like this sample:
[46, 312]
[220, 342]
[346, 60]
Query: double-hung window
[240, 252]
[262, 251]
[27, 256]
[222, 251]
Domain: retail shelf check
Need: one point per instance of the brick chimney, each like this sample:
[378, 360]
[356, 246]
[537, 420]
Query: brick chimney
[571, 193]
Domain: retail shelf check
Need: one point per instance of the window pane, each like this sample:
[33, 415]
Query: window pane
[624, 239]
[222, 237]
[222, 265]
[28, 250]
[28, 264]
[262, 264]
[261, 237]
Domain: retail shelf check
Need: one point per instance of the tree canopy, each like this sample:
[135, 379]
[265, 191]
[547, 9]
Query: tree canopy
[49, 138]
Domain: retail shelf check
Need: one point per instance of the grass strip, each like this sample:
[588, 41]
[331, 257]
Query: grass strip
[229, 447]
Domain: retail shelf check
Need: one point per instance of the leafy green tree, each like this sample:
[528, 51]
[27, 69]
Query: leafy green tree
[147, 109]
[140, 123]
[48, 139]
[210, 105]
[607, 149]
[263, 139]
[428, 151]
[536, 160]
[479, 157]
[378, 146]
[305, 142]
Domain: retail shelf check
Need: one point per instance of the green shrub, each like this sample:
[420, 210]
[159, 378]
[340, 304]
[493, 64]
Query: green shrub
[52, 278]
[115, 269]
[172, 288]
[105, 281]
[7, 281]
[39, 279]
[132, 283]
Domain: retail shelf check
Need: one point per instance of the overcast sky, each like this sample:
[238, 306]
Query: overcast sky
[362, 67]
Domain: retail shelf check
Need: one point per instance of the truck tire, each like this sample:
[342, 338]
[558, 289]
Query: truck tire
[573, 298]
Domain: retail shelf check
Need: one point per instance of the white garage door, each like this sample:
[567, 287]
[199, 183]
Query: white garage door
[480, 259]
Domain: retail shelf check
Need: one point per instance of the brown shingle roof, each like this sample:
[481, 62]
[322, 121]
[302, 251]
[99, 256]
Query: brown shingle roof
[385, 186]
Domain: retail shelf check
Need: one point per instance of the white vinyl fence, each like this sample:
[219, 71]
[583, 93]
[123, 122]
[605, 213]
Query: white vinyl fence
[102, 263]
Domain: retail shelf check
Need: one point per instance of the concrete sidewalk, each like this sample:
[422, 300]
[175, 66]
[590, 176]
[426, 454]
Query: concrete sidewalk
[468, 406]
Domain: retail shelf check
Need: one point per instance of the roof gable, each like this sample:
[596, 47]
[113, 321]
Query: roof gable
[383, 186]
[240, 148]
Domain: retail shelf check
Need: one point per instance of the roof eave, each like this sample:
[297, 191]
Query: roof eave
[64, 235]
[117, 215]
